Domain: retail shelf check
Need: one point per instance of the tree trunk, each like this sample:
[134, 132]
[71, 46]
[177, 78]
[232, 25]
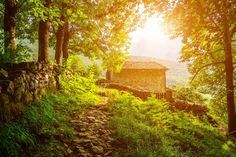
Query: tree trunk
[229, 80]
[43, 33]
[10, 26]
[66, 40]
[59, 41]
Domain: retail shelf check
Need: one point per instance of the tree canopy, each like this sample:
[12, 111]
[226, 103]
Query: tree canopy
[208, 31]
[99, 30]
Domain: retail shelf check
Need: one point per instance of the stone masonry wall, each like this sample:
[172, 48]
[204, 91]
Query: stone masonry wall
[22, 84]
[149, 80]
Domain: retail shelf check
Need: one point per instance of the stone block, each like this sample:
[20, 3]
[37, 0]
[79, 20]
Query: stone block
[25, 83]
[27, 98]
[18, 94]
[4, 99]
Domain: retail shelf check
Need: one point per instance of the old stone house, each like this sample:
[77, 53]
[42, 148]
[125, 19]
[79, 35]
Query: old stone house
[142, 74]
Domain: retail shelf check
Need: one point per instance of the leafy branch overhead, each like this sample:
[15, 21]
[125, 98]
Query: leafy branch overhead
[99, 30]
[208, 30]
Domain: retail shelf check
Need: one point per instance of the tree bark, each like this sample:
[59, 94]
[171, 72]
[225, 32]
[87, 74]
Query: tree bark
[66, 40]
[10, 25]
[62, 38]
[229, 79]
[59, 42]
[43, 33]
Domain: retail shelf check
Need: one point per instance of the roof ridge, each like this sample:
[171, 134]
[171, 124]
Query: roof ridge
[146, 64]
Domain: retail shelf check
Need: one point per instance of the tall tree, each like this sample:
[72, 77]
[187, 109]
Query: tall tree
[43, 35]
[10, 25]
[66, 40]
[207, 28]
[62, 34]
[102, 29]
[59, 41]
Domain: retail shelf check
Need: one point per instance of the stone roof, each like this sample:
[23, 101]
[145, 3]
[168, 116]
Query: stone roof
[138, 62]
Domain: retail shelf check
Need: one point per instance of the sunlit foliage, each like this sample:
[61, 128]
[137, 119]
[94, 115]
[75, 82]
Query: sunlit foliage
[151, 129]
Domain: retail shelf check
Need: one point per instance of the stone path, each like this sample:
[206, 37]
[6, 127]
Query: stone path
[92, 133]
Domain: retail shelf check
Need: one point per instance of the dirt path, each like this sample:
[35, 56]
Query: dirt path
[92, 133]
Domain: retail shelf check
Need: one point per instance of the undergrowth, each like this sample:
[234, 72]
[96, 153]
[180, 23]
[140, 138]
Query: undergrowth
[150, 129]
[44, 125]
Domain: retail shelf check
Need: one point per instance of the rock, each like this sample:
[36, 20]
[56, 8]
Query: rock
[78, 141]
[4, 73]
[74, 121]
[91, 118]
[81, 149]
[83, 134]
[66, 145]
[92, 133]
[27, 97]
[69, 151]
[40, 66]
[32, 86]
[10, 88]
[111, 139]
[4, 99]
[20, 80]
[97, 149]
[92, 137]
[108, 153]
[83, 129]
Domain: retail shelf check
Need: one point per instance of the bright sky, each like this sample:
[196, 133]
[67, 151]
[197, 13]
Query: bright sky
[151, 41]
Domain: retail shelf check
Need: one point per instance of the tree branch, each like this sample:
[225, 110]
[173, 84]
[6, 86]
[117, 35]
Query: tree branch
[215, 63]
[210, 16]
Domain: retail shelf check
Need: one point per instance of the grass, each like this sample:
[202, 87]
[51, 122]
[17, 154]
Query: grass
[14, 138]
[150, 129]
[143, 128]
[44, 126]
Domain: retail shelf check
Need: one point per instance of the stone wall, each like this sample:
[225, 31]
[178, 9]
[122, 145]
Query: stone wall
[149, 80]
[143, 94]
[22, 84]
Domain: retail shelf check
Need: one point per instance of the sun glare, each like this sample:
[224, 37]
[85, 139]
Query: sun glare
[153, 40]
[152, 28]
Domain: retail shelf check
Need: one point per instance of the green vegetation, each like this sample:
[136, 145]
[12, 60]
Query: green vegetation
[189, 94]
[45, 124]
[142, 128]
[99, 29]
[208, 48]
[150, 129]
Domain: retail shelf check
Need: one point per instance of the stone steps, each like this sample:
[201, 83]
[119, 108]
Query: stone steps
[93, 136]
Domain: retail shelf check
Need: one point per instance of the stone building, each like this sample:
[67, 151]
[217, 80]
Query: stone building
[142, 74]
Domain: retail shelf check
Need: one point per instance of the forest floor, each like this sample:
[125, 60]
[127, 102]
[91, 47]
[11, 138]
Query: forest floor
[92, 134]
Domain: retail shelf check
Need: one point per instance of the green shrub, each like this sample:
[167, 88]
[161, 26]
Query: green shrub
[150, 128]
[189, 94]
[94, 69]
[75, 64]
